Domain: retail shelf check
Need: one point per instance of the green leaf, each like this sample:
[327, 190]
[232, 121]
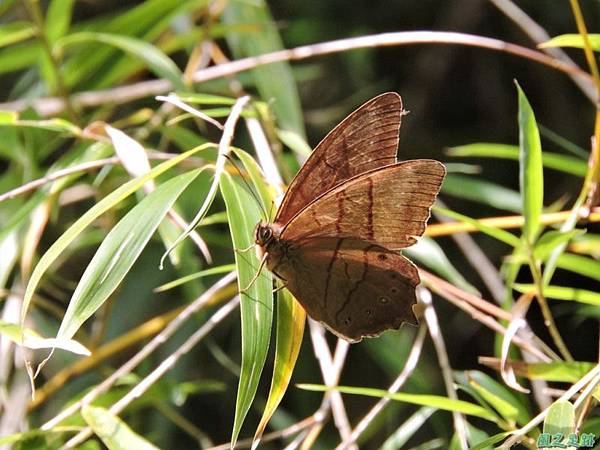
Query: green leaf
[113, 432]
[13, 32]
[11, 118]
[572, 40]
[102, 206]
[256, 303]
[564, 293]
[22, 437]
[497, 396]
[531, 176]
[275, 82]
[482, 191]
[560, 418]
[119, 251]
[58, 19]
[295, 142]
[435, 401]
[588, 267]
[30, 339]
[291, 318]
[496, 233]
[563, 163]
[156, 60]
[490, 441]
[194, 276]
[256, 176]
[401, 436]
[552, 239]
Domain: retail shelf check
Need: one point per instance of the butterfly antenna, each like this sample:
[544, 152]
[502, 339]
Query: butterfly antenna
[250, 189]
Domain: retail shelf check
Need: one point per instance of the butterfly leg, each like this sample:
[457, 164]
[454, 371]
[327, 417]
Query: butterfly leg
[279, 288]
[244, 250]
[263, 261]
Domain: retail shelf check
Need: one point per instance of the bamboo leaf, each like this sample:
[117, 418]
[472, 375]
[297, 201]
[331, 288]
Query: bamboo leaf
[435, 401]
[119, 251]
[155, 59]
[531, 177]
[572, 40]
[556, 161]
[291, 318]
[256, 303]
[113, 432]
[275, 82]
[564, 293]
[74, 230]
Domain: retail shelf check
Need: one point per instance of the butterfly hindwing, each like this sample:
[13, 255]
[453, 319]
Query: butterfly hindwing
[366, 139]
[354, 288]
[388, 206]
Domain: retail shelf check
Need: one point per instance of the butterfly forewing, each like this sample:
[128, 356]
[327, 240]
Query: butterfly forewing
[388, 206]
[366, 139]
[353, 287]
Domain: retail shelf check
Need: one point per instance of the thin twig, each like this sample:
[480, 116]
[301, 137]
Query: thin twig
[331, 369]
[460, 425]
[280, 434]
[538, 35]
[409, 367]
[224, 149]
[51, 106]
[148, 349]
[445, 229]
[464, 301]
[138, 390]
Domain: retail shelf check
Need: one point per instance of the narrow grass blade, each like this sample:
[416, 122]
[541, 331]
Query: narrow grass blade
[256, 303]
[556, 161]
[564, 293]
[435, 401]
[551, 240]
[572, 40]
[531, 177]
[287, 347]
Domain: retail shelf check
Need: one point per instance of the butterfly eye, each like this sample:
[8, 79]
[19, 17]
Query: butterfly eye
[266, 234]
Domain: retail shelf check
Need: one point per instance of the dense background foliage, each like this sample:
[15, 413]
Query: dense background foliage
[462, 99]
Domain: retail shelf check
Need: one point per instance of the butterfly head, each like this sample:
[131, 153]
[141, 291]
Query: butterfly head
[263, 234]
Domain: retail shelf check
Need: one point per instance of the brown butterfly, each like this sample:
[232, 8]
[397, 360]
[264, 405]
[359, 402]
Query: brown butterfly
[350, 207]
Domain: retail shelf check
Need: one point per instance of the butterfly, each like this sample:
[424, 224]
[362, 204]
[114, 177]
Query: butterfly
[335, 240]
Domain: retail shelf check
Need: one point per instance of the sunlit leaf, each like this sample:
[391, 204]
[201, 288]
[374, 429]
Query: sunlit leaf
[564, 293]
[119, 251]
[256, 303]
[572, 40]
[87, 218]
[291, 318]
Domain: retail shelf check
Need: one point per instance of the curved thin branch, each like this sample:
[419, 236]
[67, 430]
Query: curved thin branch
[50, 106]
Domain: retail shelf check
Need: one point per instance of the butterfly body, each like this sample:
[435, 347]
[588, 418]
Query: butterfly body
[334, 241]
